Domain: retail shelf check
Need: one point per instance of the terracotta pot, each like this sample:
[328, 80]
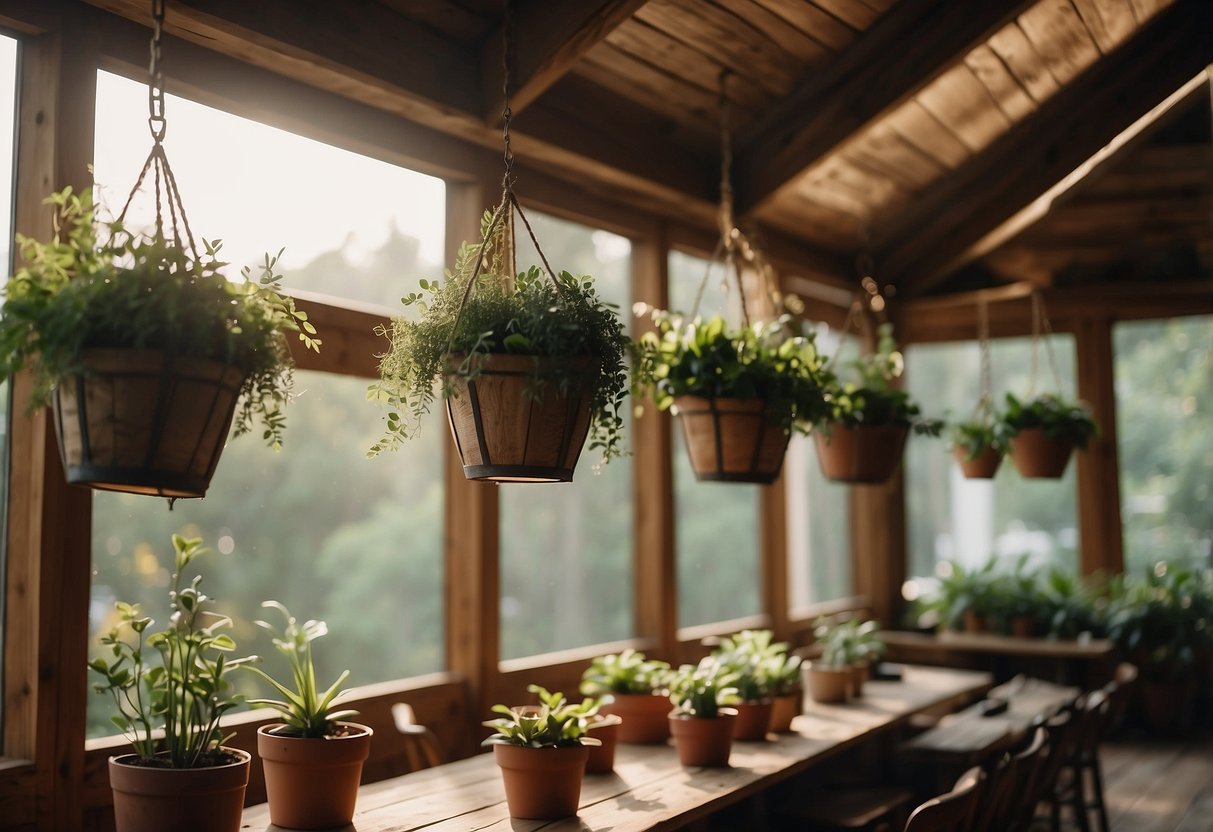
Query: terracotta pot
[542, 783]
[860, 673]
[984, 467]
[150, 799]
[1039, 457]
[644, 715]
[313, 783]
[602, 757]
[143, 422]
[828, 684]
[974, 622]
[505, 435]
[753, 720]
[783, 710]
[1023, 626]
[704, 742]
[731, 440]
[860, 454]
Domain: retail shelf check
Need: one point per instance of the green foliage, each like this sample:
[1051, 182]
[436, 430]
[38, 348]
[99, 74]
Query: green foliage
[975, 437]
[307, 711]
[554, 723]
[701, 690]
[97, 285]
[531, 315]
[186, 692]
[772, 361]
[849, 642]
[625, 672]
[1165, 617]
[764, 668]
[1060, 420]
[873, 400]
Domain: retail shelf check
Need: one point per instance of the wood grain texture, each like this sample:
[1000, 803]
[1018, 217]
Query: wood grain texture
[1100, 532]
[1108, 21]
[967, 106]
[1012, 46]
[1060, 37]
[822, 26]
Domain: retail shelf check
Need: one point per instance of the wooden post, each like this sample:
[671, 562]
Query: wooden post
[773, 554]
[655, 571]
[1102, 545]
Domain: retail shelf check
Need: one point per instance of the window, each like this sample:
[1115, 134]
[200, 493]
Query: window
[1164, 411]
[566, 549]
[8, 123]
[318, 526]
[970, 521]
[716, 523]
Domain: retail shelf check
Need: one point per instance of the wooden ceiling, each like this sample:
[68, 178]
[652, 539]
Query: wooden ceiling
[932, 135]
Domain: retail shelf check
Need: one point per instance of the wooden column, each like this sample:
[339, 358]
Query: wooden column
[773, 554]
[471, 544]
[1102, 545]
[655, 570]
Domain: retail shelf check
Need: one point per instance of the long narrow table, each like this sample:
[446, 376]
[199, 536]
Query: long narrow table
[649, 790]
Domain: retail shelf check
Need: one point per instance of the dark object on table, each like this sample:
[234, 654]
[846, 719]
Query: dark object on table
[886, 672]
[992, 707]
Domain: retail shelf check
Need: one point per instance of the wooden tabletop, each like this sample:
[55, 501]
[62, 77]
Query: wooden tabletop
[649, 790]
[1094, 648]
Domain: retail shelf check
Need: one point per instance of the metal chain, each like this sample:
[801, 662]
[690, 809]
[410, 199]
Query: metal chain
[507, 115]
[985, 406]
[155, 89]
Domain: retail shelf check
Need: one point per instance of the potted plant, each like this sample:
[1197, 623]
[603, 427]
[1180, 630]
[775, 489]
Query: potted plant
[146, 351]
[638, 691]
[978, 449]
[528, 365]
[542, 752]
[861, 646]
[747, 653]
[738, 393]
[962, 600]
[170, 689]
[313, 758]
[863, 433]
[1044, 432]
[787, 696]
[700, 723]
[829, 676]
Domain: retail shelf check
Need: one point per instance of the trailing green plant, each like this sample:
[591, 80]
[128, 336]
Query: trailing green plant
[775, 361]
[763, 666]
[873, 400]
[306, 710]
[173, 680]
[554, 723]
[1060, 420]
[625, 672]
[702, 689]
[531, 314]
[96, 284]
[975, 437]
[1164, 618]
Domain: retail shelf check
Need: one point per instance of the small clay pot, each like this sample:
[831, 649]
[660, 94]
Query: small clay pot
[312, 783]
[783, 710]
[542, 783]
[644, 715]
[1023, 626]
[828, 684]
[974, 622]
[149, 799]
[703, 742]
[984, 467]
[1039, 457]
[860, 673]
[860, 454]
[604, 728]
[753, 719]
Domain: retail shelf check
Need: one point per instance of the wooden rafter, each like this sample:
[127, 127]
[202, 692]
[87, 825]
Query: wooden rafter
[903, 51]
[550, 38]
[1000, 190]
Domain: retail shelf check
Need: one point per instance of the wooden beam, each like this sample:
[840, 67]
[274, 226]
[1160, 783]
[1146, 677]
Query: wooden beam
[1071, 135]
[1101, 534]
[903, 51]
[549, 38]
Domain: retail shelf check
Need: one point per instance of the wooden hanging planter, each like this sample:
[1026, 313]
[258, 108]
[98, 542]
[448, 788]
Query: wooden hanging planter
[860, 454]
[143, 422]
[984, 467]
[731, 440]
[505, 434]
[1038, 456]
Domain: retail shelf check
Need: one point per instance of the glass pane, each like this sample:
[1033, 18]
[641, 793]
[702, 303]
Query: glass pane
[352, 226]
[566, 549]
[1164, 409]
[8, 118]
[716, 523]
[356, 542]
[969, 521]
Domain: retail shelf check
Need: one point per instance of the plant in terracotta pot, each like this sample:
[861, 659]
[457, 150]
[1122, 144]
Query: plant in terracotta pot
[528, 364]
[638, 691]
[787, 694]
[749, 654]
[962, 599]
[145, 350]
[542, 752]
[862, 435]
[978, 448]
[603, 727]
[1042, 433]
[738, 392]
[170, 689]
[830, 677]
[1072, 607]
[701, 724]
[313, 758]
[861, 646]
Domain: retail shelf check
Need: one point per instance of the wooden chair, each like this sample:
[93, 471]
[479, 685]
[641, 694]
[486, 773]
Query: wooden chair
[1083, 766]
[1063, 743]
[951, 812]
[1002, 800]
[421, 748]
[851, 809]
[1119, 692]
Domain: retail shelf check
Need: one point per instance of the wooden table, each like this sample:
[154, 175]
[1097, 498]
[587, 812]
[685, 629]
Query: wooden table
[1068, 661]
[649, 790]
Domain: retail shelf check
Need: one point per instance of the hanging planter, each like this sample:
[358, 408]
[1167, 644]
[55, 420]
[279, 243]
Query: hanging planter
[978, 445]
[145, 349]
[1044, 433]
[860, 453]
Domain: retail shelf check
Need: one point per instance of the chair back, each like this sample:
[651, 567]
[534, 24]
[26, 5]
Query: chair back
[1002, 803]
[421, 749]
[1028, 771]
[1119, 692]
[951, 812]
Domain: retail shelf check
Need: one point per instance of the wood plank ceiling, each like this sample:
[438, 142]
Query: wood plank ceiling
[925, 133]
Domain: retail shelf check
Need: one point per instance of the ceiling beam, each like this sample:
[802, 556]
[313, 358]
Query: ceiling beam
[907, 48]
[1011, 183]
[549, 38]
